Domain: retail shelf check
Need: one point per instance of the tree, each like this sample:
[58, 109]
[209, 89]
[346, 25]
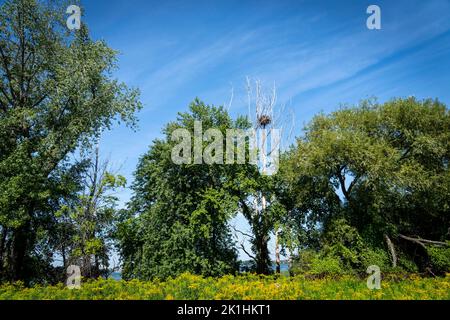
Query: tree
[259, 204]
[381, 167]
[56, 92]
[178, 218]
[86, 223]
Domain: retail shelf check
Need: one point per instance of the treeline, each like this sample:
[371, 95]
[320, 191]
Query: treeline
[367, 185]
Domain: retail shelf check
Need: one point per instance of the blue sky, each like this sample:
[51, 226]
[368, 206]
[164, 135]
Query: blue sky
[319, 54]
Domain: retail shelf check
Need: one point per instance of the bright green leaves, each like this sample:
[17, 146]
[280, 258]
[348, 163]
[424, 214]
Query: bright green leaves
[57, 93]
[178, 219]
[382, 166]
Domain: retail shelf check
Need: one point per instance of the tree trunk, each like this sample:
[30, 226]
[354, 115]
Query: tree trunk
[19, 250]
[2, 249]
[291, 272]
[263, 262]
[96, 267]
[63, 254]
[262, 255]
[391, 250]
[277, 254]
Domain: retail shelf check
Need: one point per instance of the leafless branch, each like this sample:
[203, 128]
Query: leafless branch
[243, 233]
[246, 252]
[422, 242]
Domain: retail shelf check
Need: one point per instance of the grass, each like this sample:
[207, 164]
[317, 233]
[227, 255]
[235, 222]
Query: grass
[247, 287]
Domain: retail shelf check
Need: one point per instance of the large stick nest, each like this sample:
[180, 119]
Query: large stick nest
[264, 120]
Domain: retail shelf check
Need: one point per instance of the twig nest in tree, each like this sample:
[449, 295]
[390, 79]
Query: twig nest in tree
[264, 120]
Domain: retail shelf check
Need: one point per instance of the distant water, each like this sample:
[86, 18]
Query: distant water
[116, 276]
[283, 267]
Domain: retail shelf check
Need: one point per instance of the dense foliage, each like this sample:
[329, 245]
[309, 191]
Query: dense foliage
[370, 178]
[178, 217]
[56, 93]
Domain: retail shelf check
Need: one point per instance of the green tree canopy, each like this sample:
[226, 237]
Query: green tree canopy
[382, 167]
[178, 218]
[56, 92]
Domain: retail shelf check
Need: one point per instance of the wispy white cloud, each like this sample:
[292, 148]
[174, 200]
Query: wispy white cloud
[302, 52]
[296, 66]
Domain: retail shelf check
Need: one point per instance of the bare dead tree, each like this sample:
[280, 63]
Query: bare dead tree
[269, 120]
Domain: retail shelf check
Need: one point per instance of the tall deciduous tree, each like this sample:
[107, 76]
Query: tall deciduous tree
[56, 91]
[178, 218]
[382, 167]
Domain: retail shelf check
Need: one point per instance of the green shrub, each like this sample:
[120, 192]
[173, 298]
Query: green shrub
[302, 262]
[406, 263]
[378, 257]
[344, 242]
[440, 259]
[314, 263]
[326, 265]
